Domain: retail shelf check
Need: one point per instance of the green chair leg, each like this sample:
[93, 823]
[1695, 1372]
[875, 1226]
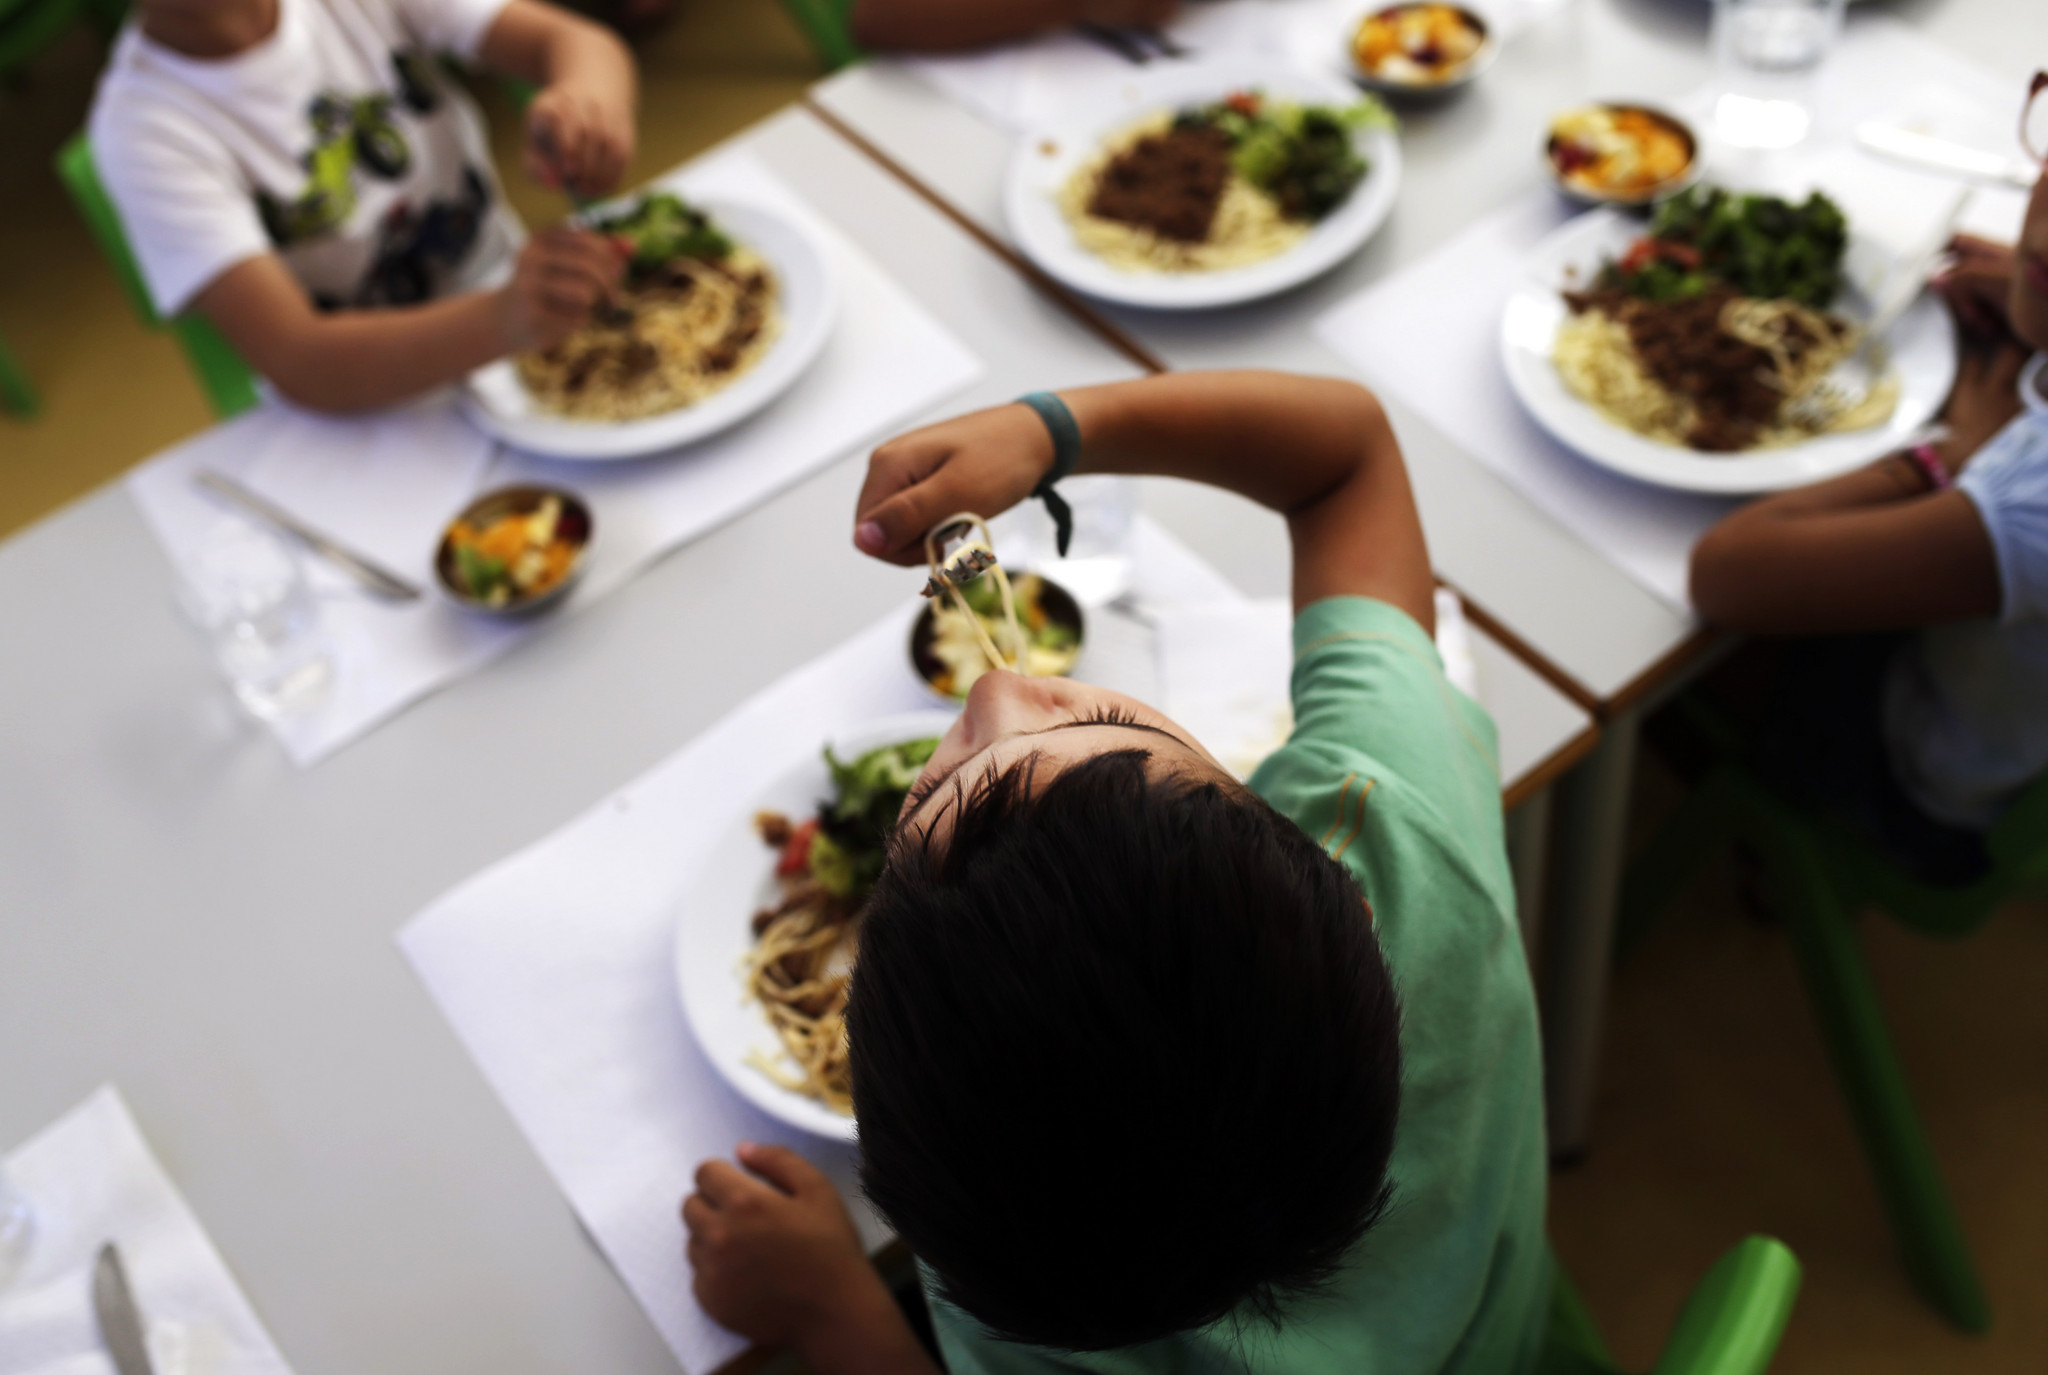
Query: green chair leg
[1572, 1342]
[228, 382]
[1667, 865]
[1852, 1025]
[16, 394]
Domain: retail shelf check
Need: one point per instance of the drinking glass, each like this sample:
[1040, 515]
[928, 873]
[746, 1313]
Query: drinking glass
[1766, 53]
[17, 1227]
[1097, 566]
[245, 592]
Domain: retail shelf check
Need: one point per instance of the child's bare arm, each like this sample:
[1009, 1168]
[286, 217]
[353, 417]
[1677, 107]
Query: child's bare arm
[775, 1258]
[1870, 550]
[948, 25]
[359, 360]
[1318, 451]
[580, 127]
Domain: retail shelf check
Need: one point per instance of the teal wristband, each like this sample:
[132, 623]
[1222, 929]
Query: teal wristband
[1066, 452]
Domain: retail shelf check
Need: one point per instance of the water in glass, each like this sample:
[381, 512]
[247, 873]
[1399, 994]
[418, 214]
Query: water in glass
[244, 589]
[1765, 55]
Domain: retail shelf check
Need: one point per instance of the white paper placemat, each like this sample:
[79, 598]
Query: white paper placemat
[1430, 334]
[91, 1179]
[1029, 83]
[390, 482]
[555, 966]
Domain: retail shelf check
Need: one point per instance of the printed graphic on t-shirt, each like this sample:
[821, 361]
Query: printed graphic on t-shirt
[362, 136]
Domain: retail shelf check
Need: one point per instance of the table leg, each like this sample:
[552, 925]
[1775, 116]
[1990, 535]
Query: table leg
[1528, 835]
[1592, 832]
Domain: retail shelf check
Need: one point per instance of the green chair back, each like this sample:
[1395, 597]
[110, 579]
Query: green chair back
[16, 395]
[1730, 1325]
[829, 26]
[227, 380]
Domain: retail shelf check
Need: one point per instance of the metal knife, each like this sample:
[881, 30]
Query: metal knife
[1953, 159]
[120, 1320]
[376, 578]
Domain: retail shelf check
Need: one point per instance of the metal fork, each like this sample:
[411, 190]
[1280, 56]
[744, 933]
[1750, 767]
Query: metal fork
[1136, 46]
[1851, 381]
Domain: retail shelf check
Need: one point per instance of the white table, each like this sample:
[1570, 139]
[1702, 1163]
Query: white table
[1588, 626]
[184, 913]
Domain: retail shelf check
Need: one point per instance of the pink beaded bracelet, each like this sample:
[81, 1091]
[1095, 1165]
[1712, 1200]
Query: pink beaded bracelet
[1924, 457]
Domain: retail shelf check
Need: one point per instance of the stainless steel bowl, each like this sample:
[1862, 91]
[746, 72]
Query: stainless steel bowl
[1588, 196]
[1059, 605]
[1463, 76]
[576, 526]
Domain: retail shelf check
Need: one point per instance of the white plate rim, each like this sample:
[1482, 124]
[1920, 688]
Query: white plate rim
[804, 265]
[706, 953]
[1925, 351]
[1044, 237]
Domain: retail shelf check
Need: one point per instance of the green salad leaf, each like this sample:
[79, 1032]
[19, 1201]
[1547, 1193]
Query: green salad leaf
[847, 855]
[664, 226]
[1761, 245]
[1300, 155]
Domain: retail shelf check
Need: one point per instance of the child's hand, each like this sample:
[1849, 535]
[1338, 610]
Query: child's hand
[579, 138]
[986, 462]
[1978, 286]
[776, 1257]
[561, 277]
[1984, 399]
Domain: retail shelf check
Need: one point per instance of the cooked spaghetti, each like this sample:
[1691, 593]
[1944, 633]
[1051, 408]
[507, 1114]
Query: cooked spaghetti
[693, 327]
[1714, 330]
[801, 966]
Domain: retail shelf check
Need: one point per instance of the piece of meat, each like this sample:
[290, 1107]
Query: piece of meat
[1169, 183]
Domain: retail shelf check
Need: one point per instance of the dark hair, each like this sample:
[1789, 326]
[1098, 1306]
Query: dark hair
[1125, 1056]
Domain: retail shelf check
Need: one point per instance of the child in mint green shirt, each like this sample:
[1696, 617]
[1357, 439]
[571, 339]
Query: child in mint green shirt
[1157, 1072]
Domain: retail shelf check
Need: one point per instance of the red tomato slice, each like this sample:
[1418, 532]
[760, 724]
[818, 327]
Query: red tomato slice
[796, 852]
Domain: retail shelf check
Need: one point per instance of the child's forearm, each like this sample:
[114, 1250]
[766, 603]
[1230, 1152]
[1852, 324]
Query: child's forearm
[1317, 450]
[1281, 440]
[543, 45]
[944, 25]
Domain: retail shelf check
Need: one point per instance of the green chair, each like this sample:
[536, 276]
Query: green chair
[1820, 876]
[228, 381]
[1729, 1326]
[16, 394]
[828, 24]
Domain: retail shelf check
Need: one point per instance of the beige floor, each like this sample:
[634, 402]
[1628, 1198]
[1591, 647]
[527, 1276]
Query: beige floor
[1717, 1115]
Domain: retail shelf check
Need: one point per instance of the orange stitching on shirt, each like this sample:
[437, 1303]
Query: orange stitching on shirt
[1343, 801]
[1363, 793]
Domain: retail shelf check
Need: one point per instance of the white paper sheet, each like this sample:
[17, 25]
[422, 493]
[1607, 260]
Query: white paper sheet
[389, 483]
[1430, 334]
[555, 967]
[91, 1178]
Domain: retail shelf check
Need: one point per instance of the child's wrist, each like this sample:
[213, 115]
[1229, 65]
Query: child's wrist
[860, 1314]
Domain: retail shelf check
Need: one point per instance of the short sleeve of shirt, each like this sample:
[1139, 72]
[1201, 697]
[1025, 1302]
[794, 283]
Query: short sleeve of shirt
[2008, 481]
[188, 213]
[455, 27]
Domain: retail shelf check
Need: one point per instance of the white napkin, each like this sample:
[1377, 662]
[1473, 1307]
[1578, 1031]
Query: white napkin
[1225, 670]
[91, 1179]
[1430, 333]
[1027, 84]
[556, 966]
[391, 482]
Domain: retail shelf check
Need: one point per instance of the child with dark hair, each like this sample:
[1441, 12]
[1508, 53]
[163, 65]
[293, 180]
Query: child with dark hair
[1155, 1070]
[1916, 709]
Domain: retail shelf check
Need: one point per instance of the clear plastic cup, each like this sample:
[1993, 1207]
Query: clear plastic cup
[1766, 54]
[244, 590]
[1097, 567]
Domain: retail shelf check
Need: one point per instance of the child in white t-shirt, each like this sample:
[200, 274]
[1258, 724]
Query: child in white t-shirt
[1919, 738]
[306, 175]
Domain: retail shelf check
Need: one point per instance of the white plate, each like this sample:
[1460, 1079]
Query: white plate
[1923, 349]
[496, 401]
[714, 926]
[1046, 157]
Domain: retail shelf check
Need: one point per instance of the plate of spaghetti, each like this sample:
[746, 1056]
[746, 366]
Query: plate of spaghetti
[724, 305]
[1696, 356]
[765, 947]
[1198, 185]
